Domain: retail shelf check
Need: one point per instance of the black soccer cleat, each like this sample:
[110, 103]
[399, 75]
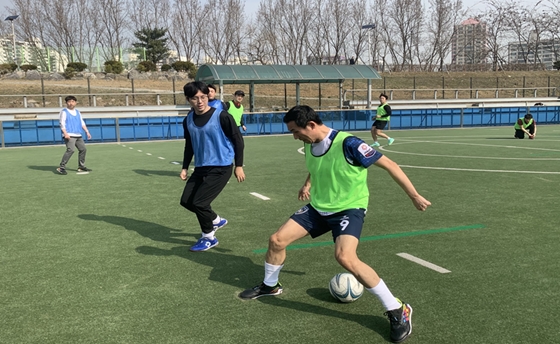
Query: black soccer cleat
[261, 290]
[401, 322]
[61, 170]
[83, 169]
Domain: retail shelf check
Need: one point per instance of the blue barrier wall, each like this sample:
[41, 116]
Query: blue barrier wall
[43, 132]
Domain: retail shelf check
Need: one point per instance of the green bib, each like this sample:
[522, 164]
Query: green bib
[381, 111]
[235, 112]
[335, 184]
[525, 125]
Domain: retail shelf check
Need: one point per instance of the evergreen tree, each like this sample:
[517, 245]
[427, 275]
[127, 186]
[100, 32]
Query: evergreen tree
[153, 42]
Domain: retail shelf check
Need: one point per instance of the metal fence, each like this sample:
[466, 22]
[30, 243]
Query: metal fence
[30, 127]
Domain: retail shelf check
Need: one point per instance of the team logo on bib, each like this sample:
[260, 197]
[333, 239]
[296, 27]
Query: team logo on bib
[366, 150]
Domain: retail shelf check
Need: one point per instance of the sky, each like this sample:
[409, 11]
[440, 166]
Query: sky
[4, 3]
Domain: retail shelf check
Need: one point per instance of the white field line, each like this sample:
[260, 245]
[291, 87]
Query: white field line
[258, 195]
[148, 153]
[140, 151]
[477, 170]
[161, 158]
[423, 263]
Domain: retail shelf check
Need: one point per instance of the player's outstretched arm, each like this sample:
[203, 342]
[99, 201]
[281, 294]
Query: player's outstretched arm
[401, 178]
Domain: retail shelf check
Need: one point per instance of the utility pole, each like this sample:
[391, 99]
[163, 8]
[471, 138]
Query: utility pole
[11, 19]
[369, 27]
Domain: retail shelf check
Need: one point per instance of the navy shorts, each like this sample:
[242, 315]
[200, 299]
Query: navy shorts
[380, 125]
[348, 222]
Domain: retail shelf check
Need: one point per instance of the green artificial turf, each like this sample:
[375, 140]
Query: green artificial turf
[103, 257]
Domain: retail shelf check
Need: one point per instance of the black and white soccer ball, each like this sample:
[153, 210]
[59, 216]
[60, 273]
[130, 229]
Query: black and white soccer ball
[345, 287]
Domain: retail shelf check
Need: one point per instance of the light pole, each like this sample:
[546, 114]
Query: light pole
[11, 19]
[369, 27]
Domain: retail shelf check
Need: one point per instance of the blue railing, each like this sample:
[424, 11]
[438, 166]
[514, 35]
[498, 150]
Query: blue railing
[44, 132]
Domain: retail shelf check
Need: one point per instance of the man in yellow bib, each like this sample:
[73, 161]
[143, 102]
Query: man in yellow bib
[525, 125]
[338, 192]
[235, 108]
[382, 117]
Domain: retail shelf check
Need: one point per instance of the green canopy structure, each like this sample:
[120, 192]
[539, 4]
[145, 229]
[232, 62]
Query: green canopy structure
[284, 74]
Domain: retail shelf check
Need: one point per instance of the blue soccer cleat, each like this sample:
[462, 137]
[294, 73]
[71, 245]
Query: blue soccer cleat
[220, 224]
[204, 244]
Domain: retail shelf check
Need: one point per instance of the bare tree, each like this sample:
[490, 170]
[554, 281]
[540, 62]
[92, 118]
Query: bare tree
[495, 19]
[113, 20]
[539, 22]
[188, 28]
[364, 33]
[334, 27]
[223, 36]
[149, 14]
[295, 19]
[265, 42]
[553, 26]
[443, 16]
[401, 30]
[27, 30]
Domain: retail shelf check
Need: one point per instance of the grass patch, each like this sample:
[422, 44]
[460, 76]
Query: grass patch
[103, 257]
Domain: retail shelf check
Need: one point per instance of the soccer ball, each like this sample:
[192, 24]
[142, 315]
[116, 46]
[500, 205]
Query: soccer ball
[345, 287]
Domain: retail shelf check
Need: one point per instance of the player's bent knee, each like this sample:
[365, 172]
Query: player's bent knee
[347, 260]
[275, 243]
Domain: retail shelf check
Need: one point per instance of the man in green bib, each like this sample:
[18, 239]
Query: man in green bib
[337, 163]
[525, 125]
[382, 117]
[235, 108]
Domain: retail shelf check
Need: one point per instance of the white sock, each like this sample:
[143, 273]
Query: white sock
[385, 296]
[217, 220]
[209, 235]
[271, 273]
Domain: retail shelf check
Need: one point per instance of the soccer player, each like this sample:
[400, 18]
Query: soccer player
[71, 125]
[212, 101]
[213, 138]
[381, 118]
[525, 125]
[337, 186]
[235, 108]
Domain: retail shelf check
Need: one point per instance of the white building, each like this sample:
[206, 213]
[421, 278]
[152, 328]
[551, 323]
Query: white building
[469, 45]
[539, 52]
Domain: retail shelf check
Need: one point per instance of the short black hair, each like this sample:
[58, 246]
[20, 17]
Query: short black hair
[70, 98]
[192, 88]
[239, 93]
[528, 116]
[212, 87]
[383, 95]
[301, 115]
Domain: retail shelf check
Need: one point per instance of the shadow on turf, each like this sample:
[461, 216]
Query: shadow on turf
[44, 168]
[238, 271]
[373, 322]
[149, 173]
[146, 229]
